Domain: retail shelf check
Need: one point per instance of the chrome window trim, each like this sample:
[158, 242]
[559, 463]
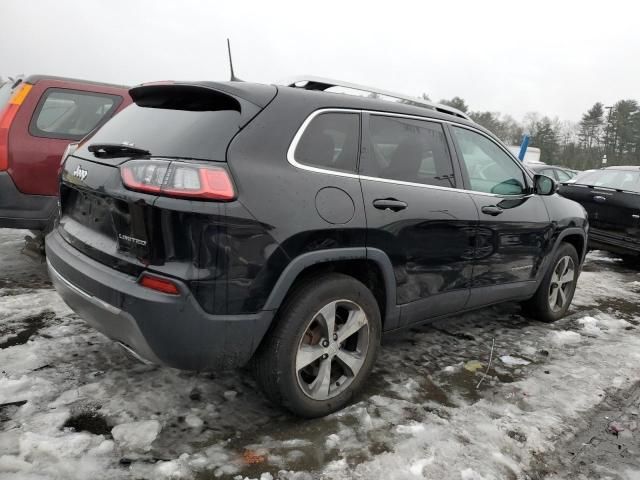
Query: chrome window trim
[296, 139]
[413, 184]
[298, 136]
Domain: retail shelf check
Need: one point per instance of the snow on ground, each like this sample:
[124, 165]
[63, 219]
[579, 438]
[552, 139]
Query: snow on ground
[74, 406]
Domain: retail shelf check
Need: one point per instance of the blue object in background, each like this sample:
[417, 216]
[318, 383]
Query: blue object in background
[523, 147]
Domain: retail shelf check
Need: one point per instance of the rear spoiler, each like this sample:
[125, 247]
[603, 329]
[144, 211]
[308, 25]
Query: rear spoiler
[257, 94]
[183, 97]
[206, 96]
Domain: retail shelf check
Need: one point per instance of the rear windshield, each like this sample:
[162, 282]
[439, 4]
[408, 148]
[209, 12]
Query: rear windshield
[165, 132]
[617, 179]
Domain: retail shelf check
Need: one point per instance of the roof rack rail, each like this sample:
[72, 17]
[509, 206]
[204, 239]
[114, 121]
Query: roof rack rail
[310, 82]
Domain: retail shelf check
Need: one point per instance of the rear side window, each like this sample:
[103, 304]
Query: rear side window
[71, 114]
[330, 141]
[407, 150]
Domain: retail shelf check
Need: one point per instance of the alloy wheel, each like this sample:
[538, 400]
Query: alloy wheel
[561, 283]
[332, 350]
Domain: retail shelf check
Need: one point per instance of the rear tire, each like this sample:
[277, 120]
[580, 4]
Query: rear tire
[322, 348]
[554, 295]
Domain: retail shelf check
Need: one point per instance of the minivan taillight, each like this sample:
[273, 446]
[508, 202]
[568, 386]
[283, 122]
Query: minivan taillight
[178, 179]
[6, 118]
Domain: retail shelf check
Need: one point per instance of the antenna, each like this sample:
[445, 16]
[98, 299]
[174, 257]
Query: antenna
[233, 75]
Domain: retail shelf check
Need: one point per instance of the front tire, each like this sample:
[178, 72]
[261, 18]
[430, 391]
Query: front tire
[322, 348]
[554, 295]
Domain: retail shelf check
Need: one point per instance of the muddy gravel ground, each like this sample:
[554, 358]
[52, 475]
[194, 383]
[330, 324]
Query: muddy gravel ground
[558, 401]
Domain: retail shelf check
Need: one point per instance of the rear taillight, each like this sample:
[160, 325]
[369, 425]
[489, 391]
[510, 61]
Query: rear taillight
[159, 284]
[6, 118]
[178, 179]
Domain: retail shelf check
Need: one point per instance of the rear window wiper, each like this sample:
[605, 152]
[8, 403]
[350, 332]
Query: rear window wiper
[115, 150]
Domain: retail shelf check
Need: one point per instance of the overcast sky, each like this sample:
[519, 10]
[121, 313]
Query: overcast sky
[555, 57]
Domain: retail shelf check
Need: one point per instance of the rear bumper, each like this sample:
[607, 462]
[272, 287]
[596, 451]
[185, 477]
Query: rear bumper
[170, 330]
[19, 210]
[598, 241]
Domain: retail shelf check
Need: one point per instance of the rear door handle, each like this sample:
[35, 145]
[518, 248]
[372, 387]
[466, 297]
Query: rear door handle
[635, 216]
[599, 198]
[491, 210]
[389, 204]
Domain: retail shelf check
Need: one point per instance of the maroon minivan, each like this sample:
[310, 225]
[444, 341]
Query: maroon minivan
[39, 116]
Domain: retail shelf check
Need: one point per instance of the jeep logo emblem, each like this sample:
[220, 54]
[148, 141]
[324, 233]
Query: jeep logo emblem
[80, 173]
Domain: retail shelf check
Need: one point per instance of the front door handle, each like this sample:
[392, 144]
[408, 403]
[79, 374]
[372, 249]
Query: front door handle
[389, 204]
[599, 198]
[635, 216]
[491, 210]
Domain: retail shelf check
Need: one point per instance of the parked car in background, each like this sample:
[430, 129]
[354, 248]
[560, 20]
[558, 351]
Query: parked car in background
[611, 197]
[559, 174]
[39, 116]
[214, 223]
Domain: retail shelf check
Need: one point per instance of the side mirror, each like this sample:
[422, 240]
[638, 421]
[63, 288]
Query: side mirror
[544, 185]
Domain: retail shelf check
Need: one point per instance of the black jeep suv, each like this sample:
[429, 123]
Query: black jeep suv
[209, 224]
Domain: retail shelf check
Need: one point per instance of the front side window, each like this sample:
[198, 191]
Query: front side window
[408, 150]
[489, 168]
[71, 114]
[330, 141]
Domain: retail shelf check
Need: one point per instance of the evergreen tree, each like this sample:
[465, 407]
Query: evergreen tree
[456, 102]
[546, 139]
[626, 111]
[614, 131]
[591, 127]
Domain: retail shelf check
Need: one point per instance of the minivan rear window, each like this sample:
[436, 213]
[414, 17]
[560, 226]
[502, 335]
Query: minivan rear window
[169, 132]
[71, 114]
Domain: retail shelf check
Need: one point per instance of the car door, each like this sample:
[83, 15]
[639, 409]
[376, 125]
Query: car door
[416, 215]
[513, 228]
[615, 198]
[620, 218]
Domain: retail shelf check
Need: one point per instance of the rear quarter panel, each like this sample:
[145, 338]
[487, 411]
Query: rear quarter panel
[279, 200]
